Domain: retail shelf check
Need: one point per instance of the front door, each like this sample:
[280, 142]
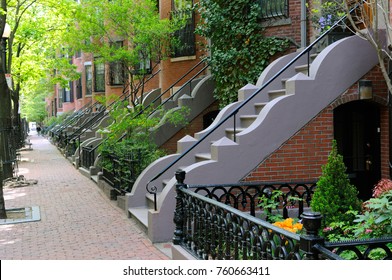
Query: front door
[357, 132]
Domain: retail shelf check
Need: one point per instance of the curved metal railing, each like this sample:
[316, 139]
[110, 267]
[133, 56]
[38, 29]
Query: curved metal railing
[187, 84]
[305, 52]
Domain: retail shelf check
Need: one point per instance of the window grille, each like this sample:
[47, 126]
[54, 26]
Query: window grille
[89, 78]
[117, 69]
[99, 77]
[60, 98]
[79, 92]
[185, 37]
[144, 65]
[117, 73]
[274, 8]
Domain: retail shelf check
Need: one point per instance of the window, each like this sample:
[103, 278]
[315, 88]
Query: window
[89, 79]
[60, 98]
[185, 37]
[99, 77]
[274, 8]
[68, 93]
[117, 69]
[182, 4]
[78, 53]
[79, 93]
[117, 73]
[54, 107]
[71, 91]
[144, 66]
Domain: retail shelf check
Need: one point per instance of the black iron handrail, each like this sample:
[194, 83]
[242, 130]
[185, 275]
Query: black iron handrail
[306, 51]
[70, 141]
[90, 106]
[73, 117]
[123, 97]
[189, 82]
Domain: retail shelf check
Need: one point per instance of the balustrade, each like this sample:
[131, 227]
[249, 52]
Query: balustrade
[209, 226]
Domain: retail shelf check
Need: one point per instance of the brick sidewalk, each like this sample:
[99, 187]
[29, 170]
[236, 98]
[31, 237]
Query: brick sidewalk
[77, 220]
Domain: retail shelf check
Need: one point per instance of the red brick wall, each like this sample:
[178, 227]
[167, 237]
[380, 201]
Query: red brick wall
[291, 29]
[302, 156]
[174, 68]
[194, 126]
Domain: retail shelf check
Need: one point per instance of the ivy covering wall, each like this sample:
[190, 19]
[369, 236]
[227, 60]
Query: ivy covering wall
[239, 50]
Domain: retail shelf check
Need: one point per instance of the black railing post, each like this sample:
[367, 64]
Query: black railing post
[180, 211]
[312, 224]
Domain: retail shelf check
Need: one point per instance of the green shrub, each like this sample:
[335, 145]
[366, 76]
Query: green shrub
[334, 196]
[376, 219]
[130, 136]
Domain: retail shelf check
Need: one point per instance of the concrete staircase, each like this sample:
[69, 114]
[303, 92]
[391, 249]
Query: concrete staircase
[271, 118]
[198, 99]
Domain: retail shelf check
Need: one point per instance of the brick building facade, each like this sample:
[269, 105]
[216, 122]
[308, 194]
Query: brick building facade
[301, 157]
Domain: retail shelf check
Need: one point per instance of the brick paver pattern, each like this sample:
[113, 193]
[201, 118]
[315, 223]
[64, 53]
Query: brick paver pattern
[78, 222]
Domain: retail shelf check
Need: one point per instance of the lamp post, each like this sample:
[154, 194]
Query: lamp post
[4, 38]
[5, 121]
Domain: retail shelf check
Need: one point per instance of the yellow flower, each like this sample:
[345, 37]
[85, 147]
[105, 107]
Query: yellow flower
[288, 225]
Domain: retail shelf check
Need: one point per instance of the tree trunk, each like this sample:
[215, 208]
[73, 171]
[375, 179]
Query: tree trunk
[16, 120]
[5, 139]
[3, 213]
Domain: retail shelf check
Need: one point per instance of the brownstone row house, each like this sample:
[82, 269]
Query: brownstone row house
[285, 132]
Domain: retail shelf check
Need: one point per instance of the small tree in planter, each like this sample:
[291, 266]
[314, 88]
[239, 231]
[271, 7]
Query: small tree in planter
[335, 196]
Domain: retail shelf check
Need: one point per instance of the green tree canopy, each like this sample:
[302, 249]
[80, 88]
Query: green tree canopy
[144, 37]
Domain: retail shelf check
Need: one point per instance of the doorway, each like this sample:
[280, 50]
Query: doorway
[357, 132]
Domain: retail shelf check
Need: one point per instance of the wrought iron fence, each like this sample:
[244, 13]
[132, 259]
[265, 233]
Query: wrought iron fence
[88, 156]
[246, 195]
[121, 173]
[363, 249]
[208, 228]
[8, 161]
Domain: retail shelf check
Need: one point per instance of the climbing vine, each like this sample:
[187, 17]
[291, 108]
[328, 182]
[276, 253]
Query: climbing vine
[239, 49]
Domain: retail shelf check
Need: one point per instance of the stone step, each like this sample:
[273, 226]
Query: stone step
[150, 199]
[230, 132]
[276, 93]
[202, 156]
[139, 215]
[259, 107]
[302, 69]
[94, 178]
[247, 120]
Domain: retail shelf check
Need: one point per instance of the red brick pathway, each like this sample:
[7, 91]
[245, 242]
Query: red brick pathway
[77, 220]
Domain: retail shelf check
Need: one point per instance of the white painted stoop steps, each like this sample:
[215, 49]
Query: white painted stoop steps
[267, 122]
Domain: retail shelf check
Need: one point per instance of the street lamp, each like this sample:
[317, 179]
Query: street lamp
[6, 35]
[365, 89]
